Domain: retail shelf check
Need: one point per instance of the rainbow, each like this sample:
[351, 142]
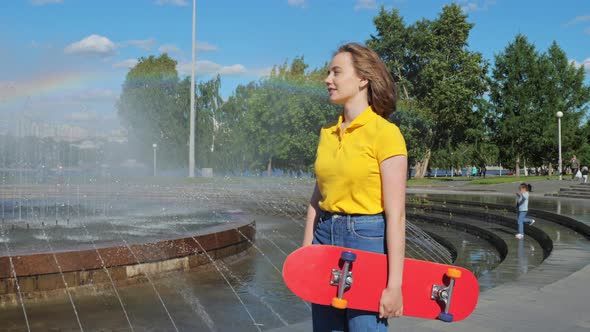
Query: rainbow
[53, 84]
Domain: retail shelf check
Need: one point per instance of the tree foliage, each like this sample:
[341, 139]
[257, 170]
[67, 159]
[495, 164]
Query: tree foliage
[279, 119]
[451, 112]
[155, 108]
[440, 79]
[528, 89]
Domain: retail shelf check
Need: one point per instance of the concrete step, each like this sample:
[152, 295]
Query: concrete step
[572, 195]
[581, 189]
[577, 184]
[574, 191]
[565, 190]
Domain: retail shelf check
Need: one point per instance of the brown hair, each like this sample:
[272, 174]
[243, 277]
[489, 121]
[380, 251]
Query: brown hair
[382, 92]
[526, 186]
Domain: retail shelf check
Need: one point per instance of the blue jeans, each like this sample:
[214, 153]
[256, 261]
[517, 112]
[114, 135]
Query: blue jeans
[364, 232]
[521, 220]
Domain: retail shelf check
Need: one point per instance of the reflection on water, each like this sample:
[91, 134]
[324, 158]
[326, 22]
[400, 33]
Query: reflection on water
[523, 261]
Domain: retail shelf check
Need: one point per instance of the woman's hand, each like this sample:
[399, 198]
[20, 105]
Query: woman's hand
[391, 304]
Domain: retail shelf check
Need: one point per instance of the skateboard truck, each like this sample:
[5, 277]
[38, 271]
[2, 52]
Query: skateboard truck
[342, 279]
[445, 293]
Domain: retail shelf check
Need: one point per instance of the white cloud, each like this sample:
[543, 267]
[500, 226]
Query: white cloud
[232, 70]
[45, 2]
[199, 47]
[476, 5]
[94, 45]
[585, 64]
[172, 2]
[204, 46]
[365, 4]
[578, 19]
[170, 49]
[144, 44]
[262, 72]
[129, 63]
[296, 3]
[205, 67]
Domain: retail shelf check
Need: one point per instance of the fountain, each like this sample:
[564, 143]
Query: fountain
[121, 221]
[105, 252]
[59, 240]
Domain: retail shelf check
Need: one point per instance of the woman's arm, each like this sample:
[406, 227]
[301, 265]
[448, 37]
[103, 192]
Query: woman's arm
[393, 175]
[312, 212]
[519, 199]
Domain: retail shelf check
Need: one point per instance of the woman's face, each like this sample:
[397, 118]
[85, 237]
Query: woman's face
[343, 83]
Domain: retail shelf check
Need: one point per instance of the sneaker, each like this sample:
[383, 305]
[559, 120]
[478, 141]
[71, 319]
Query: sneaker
[532, 222]
[519, 236]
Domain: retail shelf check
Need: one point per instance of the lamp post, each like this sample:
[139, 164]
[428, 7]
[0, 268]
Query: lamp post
[155, 146]
[191, 154]
[559, 114]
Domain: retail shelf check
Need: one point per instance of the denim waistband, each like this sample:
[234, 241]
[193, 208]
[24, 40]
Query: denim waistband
[325, 215]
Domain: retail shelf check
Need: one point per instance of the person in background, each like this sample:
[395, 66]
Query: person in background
[575, 165]
[522, 203]
[359, 197]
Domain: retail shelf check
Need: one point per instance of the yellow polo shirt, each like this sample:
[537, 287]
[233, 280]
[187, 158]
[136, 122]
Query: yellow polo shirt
[347, 166]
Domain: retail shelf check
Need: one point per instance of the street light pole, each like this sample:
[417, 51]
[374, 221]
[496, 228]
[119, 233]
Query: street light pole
[559, 115]
[155, 146]
[191, 156]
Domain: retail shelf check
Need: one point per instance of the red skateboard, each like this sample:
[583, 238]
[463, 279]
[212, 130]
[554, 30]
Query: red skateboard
[430, 290]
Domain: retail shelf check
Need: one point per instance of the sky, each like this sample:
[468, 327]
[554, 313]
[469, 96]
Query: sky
[64, 61]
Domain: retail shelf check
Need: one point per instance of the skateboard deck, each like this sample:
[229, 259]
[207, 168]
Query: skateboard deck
[430, 290]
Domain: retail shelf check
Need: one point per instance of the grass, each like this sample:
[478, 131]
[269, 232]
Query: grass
[442, 181]
[511, 179]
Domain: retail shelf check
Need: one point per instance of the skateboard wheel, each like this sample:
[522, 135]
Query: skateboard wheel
[339, 303]
[348, 256]
[445, 317]
[453, 273]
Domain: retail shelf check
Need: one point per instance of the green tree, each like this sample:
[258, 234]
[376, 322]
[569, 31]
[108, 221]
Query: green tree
[513, 93]
[149, 109]
[232, 151]
[275, 123]
[155, 108]
[440, 79]
[584, 136]
[527, 90]
[562, 88]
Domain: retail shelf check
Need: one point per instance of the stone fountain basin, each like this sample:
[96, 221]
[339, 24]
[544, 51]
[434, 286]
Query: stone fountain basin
[40, 273]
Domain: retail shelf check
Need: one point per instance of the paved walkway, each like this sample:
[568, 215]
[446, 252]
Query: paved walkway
[547, 298]
[540, 187]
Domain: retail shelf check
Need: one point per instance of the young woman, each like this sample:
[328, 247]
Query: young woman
[359, 197]
[522, 202]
